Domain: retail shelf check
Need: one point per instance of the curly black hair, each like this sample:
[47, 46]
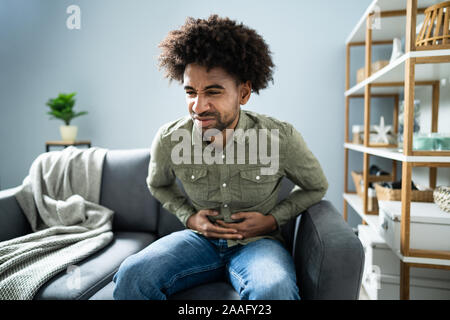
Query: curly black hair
[217, 42]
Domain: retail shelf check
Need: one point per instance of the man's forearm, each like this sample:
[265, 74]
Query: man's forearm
[297, 201]
[305, 171]
[173, 200]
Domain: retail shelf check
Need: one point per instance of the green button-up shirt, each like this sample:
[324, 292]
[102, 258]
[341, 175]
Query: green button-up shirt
[238, 183]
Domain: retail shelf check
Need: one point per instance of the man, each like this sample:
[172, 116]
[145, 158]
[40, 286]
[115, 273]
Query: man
[230, 207]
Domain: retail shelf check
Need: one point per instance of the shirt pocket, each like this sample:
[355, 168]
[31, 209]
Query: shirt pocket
[256, 187]
[195, 182]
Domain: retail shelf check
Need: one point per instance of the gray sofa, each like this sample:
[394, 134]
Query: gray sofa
[328, 256]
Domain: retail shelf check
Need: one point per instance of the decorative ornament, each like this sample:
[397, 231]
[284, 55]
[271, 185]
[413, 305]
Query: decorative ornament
[382, 132]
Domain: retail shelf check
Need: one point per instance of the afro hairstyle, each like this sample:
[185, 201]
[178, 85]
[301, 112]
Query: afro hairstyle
[217, 42]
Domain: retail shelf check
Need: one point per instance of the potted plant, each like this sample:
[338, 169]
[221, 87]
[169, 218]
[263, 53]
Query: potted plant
[61, 108]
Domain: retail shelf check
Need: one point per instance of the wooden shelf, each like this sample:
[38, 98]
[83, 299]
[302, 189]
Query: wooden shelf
[426, 261]
[372, 221]
[356, 203]
[395, 154]
[391, 26]
[395, 72]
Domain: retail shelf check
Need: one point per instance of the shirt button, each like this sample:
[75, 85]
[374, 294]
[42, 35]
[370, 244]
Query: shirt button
[224, 185]
[225, 205]
[192, 177]
[223, 156]
[257, 178]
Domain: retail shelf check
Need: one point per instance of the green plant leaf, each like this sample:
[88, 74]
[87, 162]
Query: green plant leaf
[62, 107]
[56, 114]
[80, 114]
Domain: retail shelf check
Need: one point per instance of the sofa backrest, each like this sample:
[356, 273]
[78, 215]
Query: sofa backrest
[124, 190]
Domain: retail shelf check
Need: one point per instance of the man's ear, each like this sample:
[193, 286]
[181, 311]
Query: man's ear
[246, 91]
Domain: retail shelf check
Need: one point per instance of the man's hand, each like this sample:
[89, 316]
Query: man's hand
[200, 222]
[254, 224]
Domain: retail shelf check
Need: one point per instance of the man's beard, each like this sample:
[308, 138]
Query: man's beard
[220, 125]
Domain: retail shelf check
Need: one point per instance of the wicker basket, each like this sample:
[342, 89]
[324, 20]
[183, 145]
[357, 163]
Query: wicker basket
[377, 65]
[387, 194]
[372, 205]
[435, 30]
[442, 198]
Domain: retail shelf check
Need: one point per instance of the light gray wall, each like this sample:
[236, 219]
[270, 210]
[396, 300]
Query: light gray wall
[111, 64]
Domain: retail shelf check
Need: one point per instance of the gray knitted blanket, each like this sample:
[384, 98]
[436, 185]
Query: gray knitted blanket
[60, 198]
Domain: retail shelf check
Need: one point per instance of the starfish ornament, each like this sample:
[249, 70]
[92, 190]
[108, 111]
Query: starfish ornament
[382, 132]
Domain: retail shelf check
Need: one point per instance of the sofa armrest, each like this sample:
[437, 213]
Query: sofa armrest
[329, 257]
[13, 222]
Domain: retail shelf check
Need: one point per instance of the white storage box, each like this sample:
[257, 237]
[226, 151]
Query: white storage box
[380, 258]
[387, 287]
[382, 269]
[429, 227]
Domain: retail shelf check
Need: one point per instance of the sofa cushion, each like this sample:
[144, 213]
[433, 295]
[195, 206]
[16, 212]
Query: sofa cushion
[209, 291]
[97, 270]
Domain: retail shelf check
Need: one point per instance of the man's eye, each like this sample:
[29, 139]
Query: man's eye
[209, 92]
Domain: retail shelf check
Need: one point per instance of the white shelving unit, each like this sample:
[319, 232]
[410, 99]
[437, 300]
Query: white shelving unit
[395, 154]
[356, 203]
[395, 72]
[383, 21]
[392, 27]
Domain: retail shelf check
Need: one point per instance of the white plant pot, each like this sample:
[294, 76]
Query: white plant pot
[68, 133]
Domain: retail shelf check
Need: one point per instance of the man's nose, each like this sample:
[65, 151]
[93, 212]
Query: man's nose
[200, 105]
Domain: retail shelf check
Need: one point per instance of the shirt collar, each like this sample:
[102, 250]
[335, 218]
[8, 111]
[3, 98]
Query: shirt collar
[238, 135]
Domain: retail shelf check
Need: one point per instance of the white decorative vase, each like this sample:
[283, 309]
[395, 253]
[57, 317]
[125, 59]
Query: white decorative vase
[68, 133]
[396, 49]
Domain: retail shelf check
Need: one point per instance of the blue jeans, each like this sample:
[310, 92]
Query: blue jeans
[260, 270]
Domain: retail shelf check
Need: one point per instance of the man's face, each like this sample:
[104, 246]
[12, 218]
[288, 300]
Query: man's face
[213, 97]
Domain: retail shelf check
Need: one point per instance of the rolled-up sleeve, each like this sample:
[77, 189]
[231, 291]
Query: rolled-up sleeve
[305, 171]
[161, 181]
